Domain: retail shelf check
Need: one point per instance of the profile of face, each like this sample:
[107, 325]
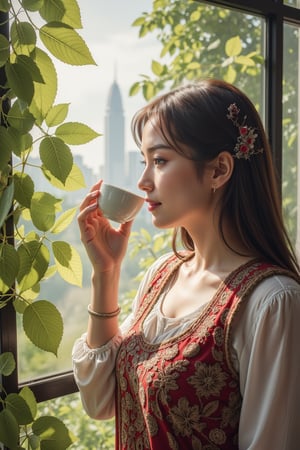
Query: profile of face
[175, 193]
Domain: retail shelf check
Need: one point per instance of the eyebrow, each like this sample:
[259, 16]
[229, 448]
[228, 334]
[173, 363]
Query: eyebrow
[161, 146]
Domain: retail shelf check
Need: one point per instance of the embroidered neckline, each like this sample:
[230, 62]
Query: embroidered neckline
[207, 307]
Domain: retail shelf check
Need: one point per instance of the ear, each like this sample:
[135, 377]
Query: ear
[222, 169]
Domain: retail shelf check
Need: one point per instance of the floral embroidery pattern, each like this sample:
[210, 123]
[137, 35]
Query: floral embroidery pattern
[186, 417]
[244, 147]
[182, 393]
[208, 379]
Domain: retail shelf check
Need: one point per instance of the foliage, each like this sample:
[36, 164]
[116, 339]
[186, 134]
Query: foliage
[30, 220]
[149, 247]
[90, 434]
[290, 129]
[199, 40]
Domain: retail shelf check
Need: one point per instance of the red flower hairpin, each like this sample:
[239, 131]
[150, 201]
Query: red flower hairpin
[244, 147]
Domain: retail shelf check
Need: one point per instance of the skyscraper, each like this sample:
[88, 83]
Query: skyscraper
[114, 170]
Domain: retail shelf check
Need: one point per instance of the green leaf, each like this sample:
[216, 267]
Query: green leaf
[23, 121]
[21, 142]
[27, 297]
[230, 75]
[72, 14]
[245, 61]
[53, 433]
[34, 442]
[9, 266]
[233, 46]
[19, 408]
[43, 325]
[32, 5]
[23, 37]
[68, 262]
[65, 44]
[44, 94]
[75, 133]
[7, 363]
[74, 182]
[24, 188]
[67, 12]
[43, 209]
[195, 16]
[6, 145]
[34, 260]
[157, 68]
[138, 22]
[56, 157]
[148, 90]
[4, 50]
[63, 221]
[193, 66]
[57, 114]
[52, 11]
[135, 89]
[4, 5]
[9, 430]
[30, 66]
[50, 272]
[27, 394]
[6, 201]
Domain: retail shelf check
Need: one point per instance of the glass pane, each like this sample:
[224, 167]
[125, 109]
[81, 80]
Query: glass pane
[98, 97]
[294, 3]
[89, 434]
[225, 44]
[290, 174]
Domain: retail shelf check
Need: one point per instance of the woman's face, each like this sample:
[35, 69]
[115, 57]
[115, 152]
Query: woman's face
[176, 195]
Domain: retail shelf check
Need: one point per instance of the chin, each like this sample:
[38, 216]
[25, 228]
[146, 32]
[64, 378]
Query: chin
[163, 224]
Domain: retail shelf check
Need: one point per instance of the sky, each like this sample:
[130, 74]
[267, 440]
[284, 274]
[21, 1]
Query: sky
[118, 52]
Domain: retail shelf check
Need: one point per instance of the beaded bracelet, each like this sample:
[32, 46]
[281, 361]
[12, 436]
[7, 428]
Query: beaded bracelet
[104, 315]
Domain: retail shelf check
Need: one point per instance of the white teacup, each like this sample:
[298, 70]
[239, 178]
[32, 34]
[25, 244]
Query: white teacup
[117, 204]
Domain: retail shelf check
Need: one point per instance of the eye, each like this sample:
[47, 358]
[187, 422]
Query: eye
[159, 161]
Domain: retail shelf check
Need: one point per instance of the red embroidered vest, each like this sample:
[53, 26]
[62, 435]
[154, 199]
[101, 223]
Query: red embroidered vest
[183, 393]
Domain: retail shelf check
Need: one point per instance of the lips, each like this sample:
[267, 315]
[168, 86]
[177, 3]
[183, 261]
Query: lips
[152, 205]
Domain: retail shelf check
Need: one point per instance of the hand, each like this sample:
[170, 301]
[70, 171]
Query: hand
[105, 245]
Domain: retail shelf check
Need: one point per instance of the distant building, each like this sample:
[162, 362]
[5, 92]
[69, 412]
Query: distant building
[135, 169]
[115, 167]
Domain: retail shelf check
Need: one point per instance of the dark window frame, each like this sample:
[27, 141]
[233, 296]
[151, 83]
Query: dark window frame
[275, 13]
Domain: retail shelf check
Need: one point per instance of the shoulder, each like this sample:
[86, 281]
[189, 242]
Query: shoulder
[275, 298]
[270, 313]
[273, 289]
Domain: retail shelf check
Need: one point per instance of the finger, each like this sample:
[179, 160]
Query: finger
[90, 198]
[125, 228]
[96, 186]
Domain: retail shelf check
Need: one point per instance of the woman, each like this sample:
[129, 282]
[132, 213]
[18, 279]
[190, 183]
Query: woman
[208, 359]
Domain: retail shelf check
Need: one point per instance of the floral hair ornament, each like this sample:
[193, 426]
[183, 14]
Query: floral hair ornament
[245, 146]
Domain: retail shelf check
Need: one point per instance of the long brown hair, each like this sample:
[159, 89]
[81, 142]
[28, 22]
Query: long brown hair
[195, 116]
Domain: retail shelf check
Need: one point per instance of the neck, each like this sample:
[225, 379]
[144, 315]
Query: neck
[212, 253]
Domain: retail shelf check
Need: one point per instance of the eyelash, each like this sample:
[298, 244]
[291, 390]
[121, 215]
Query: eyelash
[156, 161]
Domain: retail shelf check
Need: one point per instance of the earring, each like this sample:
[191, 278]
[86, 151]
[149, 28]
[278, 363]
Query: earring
[214, 189]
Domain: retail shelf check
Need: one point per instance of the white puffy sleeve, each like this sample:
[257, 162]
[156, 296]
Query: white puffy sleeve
[94, 369]
[94, 375]
[267, 346]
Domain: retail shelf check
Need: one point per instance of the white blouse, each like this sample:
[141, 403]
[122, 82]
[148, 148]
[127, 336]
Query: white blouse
[265, 349]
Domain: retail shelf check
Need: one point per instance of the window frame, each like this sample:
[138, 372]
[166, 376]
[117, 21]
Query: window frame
[276, 14]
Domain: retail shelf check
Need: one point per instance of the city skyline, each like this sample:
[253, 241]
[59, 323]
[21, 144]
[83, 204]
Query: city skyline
[113, 42]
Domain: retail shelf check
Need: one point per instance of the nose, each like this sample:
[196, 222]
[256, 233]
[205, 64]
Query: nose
[145, 182]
